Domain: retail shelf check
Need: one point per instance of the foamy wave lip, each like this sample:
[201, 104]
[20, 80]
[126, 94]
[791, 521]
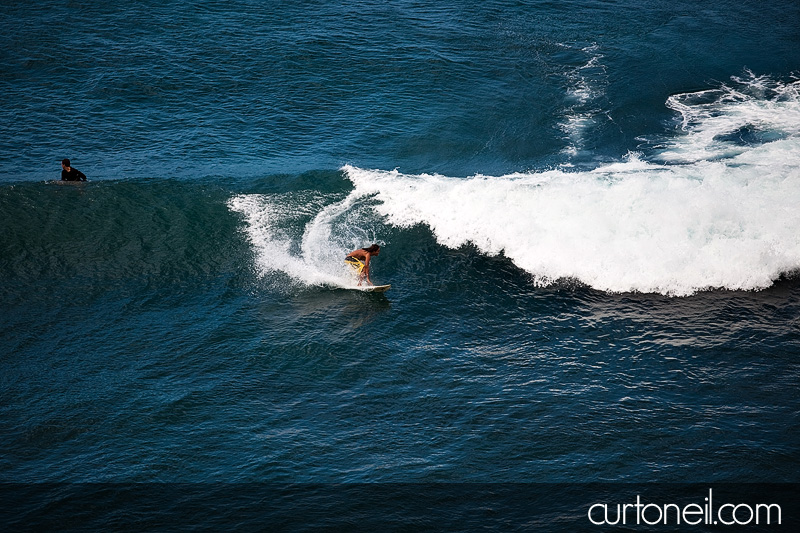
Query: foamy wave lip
[630, 226]
[265, 221]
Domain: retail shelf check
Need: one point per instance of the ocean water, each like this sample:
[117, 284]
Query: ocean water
[588, 212]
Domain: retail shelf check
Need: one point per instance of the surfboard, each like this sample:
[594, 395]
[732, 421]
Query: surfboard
[374, 288]
[59, 182]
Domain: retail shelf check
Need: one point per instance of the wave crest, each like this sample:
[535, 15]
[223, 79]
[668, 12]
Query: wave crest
[721, 214]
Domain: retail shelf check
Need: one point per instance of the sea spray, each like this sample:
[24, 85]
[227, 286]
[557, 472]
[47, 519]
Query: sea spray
[305, 236]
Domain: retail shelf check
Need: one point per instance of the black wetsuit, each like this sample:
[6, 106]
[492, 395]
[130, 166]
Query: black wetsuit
[73, 175]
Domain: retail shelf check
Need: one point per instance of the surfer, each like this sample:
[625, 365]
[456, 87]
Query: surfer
[70, 174]
[359, 261]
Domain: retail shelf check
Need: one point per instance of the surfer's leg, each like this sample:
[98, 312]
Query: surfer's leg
[357, 266]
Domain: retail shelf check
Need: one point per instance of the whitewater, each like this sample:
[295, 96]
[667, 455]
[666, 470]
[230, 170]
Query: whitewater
[711, 206]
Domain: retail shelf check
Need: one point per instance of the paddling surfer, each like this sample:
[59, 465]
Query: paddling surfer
[359, 261]
[70, 174]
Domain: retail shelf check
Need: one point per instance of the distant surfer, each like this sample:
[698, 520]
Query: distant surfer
[359, 261]
[70, 174]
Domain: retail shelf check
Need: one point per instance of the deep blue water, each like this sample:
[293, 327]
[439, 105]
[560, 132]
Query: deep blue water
[588, 213]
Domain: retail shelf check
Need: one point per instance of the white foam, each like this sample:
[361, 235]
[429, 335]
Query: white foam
[708, 212]
[724, 217]
[758, 104]
[641, 228]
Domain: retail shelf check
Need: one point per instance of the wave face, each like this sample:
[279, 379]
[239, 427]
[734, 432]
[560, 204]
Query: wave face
[712, 207]
[115, 232]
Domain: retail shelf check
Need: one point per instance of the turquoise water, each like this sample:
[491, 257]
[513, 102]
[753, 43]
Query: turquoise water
[588, 218]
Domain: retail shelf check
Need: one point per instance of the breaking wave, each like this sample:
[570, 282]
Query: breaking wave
[714, 205]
